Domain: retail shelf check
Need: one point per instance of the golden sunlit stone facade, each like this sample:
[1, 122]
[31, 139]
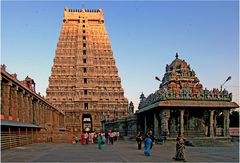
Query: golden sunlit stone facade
[84, 82]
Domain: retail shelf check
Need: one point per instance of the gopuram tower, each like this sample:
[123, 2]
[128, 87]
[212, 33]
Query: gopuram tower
[84, 81]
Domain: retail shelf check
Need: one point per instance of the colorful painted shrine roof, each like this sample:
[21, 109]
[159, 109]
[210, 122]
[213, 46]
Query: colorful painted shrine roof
[181, 83]
[179, 75]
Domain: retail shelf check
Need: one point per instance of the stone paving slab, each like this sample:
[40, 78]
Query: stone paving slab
[121, 151]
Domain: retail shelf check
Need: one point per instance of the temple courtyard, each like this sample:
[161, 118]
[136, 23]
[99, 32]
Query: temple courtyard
[121, 151]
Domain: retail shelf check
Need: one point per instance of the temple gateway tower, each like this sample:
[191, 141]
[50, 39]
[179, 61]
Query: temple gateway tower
[84, 81]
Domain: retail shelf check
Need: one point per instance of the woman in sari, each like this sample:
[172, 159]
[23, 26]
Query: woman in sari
[82, 137]
[180, 149]
[99, 139]
[147, 142]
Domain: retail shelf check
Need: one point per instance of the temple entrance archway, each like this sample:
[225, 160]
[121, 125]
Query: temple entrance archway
[87, 122]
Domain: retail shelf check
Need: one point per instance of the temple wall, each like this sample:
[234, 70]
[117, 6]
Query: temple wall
[21, 104]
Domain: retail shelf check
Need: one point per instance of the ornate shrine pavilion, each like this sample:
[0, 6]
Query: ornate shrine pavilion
[182, 105]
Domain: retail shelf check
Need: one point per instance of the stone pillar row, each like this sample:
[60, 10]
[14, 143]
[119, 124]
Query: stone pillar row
[19, 105]
[212, 121]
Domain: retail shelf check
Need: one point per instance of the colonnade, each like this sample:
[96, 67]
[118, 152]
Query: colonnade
[160, 121]
[21, 104]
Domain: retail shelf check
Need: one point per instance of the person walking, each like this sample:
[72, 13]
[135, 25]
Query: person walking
[86, 138]
[99, 139]
[90, 138]
[147, 142]
[82, 138]
[117, 135]
[95, 136]
[76, 139]
[152, 138]
[111, 137]
[139, 140]
[180, 149]
[106, 137]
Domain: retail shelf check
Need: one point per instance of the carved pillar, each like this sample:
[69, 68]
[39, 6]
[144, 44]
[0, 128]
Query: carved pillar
[21, 108]
[25, 108]
[2, 101]
[226, 123]
[28, 108]
[215, 124]
[156, 131]
[59, 120]
[145, 123]
[30, 98]
[42, 114]
[49, 114]
[7, 100]
[45, 114]
[13, 109]
[164, 117]
[16, 104]
[38, 113]
[11, 104]
[53, 118]
[34, 105]
[181, 121]
[211, 123]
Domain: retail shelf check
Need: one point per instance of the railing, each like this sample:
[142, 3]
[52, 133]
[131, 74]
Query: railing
[234, 131]
[10, 139]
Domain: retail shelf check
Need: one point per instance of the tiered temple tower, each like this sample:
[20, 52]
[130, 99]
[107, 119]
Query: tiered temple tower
[84, 82]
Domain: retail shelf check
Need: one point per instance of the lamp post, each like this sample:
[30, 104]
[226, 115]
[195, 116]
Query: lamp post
[229, 78]
[157, 78]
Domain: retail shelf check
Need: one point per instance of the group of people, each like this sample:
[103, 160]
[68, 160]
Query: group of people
[100, 138]
[149, 140]
[108, 137]
[88, 138]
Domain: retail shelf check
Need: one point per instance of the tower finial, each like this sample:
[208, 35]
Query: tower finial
[83, 6]
[176, 55]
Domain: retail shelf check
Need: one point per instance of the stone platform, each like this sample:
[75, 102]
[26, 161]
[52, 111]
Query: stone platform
[121, 151]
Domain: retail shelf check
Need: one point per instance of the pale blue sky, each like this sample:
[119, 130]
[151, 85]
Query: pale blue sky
[144, 36]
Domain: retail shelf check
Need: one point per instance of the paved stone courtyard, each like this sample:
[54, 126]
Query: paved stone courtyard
[121, 151]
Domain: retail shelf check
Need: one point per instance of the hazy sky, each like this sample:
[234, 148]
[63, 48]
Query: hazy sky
[144, 36]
